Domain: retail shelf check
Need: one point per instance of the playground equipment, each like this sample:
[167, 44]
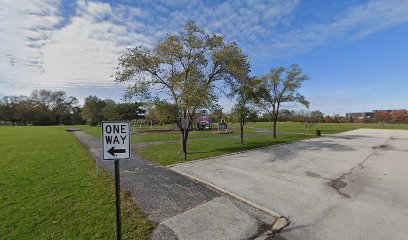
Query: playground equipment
[222, 126]
[204, 122]
[145, 122]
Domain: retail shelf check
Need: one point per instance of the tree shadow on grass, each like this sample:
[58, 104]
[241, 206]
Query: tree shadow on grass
[155, 130]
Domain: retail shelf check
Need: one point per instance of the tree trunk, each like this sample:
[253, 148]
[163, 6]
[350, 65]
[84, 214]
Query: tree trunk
[184, 138]
[181, 141]
[241, 123]
[274, 127]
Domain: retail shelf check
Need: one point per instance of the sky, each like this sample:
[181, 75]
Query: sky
[354, 52]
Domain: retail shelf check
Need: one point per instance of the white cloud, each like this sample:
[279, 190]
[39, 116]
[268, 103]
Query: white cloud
[26, 27]
[42, 47]
[38, 53]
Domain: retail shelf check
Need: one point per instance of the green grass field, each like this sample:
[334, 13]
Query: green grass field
[164, 133]
[326, 128]
[49, 190]
[166, 154]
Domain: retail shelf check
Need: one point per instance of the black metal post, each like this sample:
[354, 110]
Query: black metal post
[185, 143]
[117, 190]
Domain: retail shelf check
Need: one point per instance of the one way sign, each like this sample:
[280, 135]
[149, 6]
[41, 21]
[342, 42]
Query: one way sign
[116, 140]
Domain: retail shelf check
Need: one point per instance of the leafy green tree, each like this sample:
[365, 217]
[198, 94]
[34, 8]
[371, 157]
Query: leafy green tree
[43, 107]
[9, 109]
[243, 88]
[52, 107]
[61, 105]
[109, 111]
[316, 116]
[216, 113]
[43, 114]
[76, 117]
[242, 114]
[19, 110]
[92, 111]
[121, 111]
[285, 115]
[129, 111]
[162, 112]
[280, 86]
[182, 68]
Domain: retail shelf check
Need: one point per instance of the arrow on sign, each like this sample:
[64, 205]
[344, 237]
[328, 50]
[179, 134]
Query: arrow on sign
[112, 151]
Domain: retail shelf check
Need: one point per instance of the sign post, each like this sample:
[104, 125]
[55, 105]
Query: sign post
[116, 146]
[184, 125]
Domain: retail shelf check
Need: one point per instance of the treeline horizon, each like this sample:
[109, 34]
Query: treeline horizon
[46, 107]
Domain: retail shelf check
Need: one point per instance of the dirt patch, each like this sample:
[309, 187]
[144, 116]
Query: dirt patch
[338, 184]
[312, 174]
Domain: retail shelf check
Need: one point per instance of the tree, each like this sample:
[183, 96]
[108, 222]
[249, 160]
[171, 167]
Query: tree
[19, 110]
[182, 68]
[337, 118]
[52, 107]
[316, 116]
[76, 117]
[162, 112]
[308, 120]
[242, 113]
[25, 110]
[129, 111]
[121, 111]
[381, 116]
[43, 107]
[243, 88]
[285, 115]
[92, 111]
[9, 109]
[399, 116]
[216, 113]
[109, 111]
[61, 105]
[280, 86]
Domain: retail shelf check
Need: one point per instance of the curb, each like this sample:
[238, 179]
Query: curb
[281, 221]
[255, 205]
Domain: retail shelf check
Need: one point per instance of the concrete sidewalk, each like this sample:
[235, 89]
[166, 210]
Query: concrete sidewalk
[185, 209]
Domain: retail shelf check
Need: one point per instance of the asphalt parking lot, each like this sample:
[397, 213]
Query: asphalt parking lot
[352, 185]
[182, 207]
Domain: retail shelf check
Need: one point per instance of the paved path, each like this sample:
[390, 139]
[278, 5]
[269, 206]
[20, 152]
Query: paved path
[185, 208]
[344, 186]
